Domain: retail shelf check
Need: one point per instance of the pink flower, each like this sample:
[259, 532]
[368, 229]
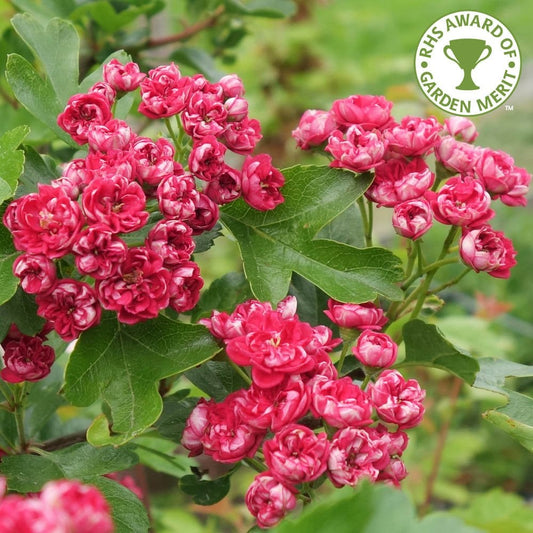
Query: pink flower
[113, 135]
[518, 194]
[237, 109]
[396, 400]
[456, 155]
[314, 128]
[153, 160]
[393, 473]
[26, 359]
[413, 218]
[205, 113]
[495, 169]
[274, 347]
[116, 202]
[340, 402]
[37, 273]
[82, 111]
[109, 164]
[71, 307]
[296, 454]
[276, 407]
[227, 437]
[177, 196]
[164, 92]
[172, 240]
[98, 251]
[375, 349]
[358, 150]
[360, 316]
[104, 89]
[268, 500]
[226, 187]
[414, 136]
[206, 215]
[367, 111]
[461, 128]
[206, 160]
[485, 250]
[356, 454]
[241, 137]
[139, 289]
[463, 201]
[123, 77]
[232, 85]
[398, 180]
[84, 505]
[185, 285]
[261, 182]
[46, 223]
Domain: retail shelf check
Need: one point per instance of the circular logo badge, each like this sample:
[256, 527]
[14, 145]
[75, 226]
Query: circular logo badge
[467, 63]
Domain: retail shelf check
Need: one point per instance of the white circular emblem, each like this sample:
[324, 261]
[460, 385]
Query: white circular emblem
[467, 63]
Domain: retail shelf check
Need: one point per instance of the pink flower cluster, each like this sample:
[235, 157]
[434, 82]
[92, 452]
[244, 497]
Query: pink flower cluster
[360, 134]
[295, 389]
[111, 192]
[64, 506]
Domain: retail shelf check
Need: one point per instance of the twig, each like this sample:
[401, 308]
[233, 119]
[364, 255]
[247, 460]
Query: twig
[63, 442]
[188, 32]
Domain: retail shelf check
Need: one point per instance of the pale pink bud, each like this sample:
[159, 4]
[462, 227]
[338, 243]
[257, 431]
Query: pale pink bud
[375, 349]
[462, 128]
[314, 128]
[360, 316]
[413, 218]
[232, 86]
[123, 77]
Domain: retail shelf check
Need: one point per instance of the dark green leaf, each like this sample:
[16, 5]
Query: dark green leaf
[516, 416]
[57, 47]
[11, 161]
[43, 11]
[159, 454]
[205, 492]
[200, 60]
[216, 378]
[128, 512]
[311, 301]
[205, 240]
[346, 228]
[8, 282]
[22, 311]
[37, 169]
[273, 244]
[122, 365]
[35, 94]
[28, 473]
[172, 421]
[425, 345]
[224, 294]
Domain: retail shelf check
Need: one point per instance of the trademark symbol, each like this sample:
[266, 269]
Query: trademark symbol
[509, 107]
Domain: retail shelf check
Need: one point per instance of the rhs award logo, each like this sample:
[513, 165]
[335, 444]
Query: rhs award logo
[467, 63]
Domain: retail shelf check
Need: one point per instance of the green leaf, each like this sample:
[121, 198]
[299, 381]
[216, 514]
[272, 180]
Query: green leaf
[200, 60]
[367, 509]
[346, 228]
[263, 8]
[205, 240]
[22, 311]
[97, 75]
[516, 416]
[205, 492]
[37, 169]
[8, 282]
[311, 302]
[273, 244]
[425, 345]
[28, 473]
[176, 411]
[35, 94]
[57, 47]
[44, 10]
[128, 512]
[11, 161]
[159, 454]
[122, 366]
[216, 378]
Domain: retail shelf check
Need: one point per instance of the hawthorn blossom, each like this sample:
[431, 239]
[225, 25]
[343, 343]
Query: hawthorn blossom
[360, 316]
[123, 77]
[261, 182]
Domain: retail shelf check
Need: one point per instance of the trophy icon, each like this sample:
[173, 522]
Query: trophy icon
[467, 53]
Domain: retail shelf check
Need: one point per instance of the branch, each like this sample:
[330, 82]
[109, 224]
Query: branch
[64, 442]
[188, 32]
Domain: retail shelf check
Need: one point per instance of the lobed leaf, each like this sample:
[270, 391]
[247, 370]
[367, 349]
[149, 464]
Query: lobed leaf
[11, 161]
[275, 243]
[122, 366]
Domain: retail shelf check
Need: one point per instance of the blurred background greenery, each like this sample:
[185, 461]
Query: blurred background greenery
[325, 50]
